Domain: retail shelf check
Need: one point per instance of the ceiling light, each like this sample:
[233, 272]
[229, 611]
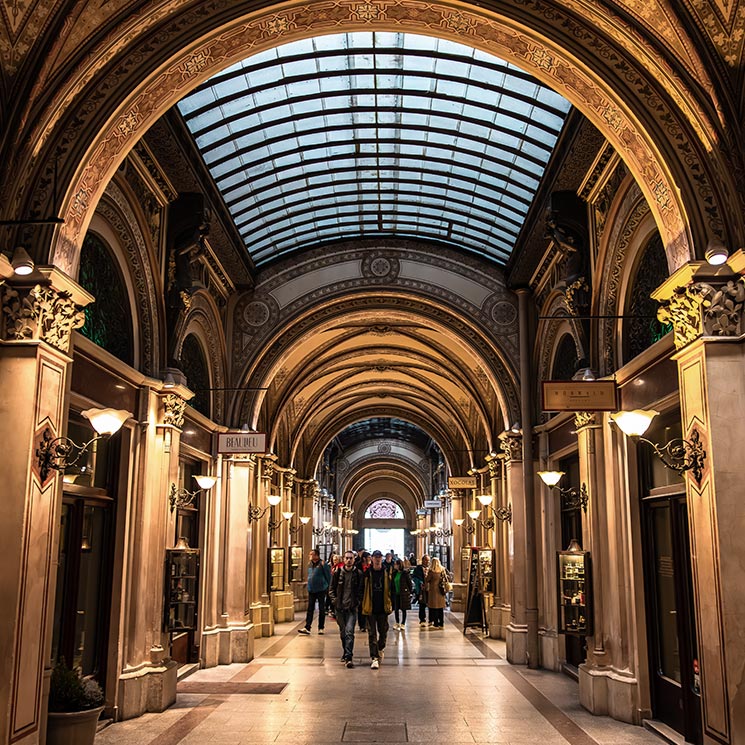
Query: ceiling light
[716, 254]
[21, 262]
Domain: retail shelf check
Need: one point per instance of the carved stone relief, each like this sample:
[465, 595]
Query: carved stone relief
[174, 407]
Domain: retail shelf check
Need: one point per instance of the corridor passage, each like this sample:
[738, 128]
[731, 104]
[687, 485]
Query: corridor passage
[432, 687]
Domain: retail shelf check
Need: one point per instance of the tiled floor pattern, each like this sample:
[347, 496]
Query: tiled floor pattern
[433, 687]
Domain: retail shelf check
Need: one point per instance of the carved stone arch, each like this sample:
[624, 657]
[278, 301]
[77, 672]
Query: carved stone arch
[116, 221]
[260, 371]
[610, 68]
[631, 225]
[374, 461]
[203, 321]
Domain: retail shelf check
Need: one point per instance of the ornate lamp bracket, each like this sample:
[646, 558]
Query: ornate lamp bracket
[682, 455]
[572, 498]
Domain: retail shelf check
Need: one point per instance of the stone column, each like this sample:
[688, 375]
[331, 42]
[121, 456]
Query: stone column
[261, 606]
[36, 321]
[516, 633]
[705, 304]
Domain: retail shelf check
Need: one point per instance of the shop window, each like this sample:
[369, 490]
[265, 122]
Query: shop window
[565, 361]
[641, 328]
[194, 366]
[108, 321]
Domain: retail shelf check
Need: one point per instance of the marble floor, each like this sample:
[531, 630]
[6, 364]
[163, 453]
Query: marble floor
[432, 687]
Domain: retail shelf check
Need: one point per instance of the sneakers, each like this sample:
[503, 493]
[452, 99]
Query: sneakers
[320, 631]
[374, 665]
[303, 631]
[423, 624]
[350, 664]
[343, 660]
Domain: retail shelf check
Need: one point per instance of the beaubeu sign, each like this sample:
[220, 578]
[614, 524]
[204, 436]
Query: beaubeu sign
[241, 442]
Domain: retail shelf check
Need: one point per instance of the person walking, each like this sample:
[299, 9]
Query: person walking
[419, 575]
[335, 561]
[346, 594]
[362, 563]
[376, 605]
[319, 578]
[434, 589]
[401, 587]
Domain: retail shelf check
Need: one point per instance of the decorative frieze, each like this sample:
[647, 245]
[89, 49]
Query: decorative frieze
[584, 419]
[40, 313]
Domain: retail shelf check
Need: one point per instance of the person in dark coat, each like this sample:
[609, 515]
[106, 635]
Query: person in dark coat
[401, 588]
[346, 594]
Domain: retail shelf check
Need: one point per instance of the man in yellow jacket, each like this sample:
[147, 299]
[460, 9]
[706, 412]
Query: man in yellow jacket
[376, 607]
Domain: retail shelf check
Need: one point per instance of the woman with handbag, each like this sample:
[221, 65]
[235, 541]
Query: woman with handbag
[434, 587]
[401, 587]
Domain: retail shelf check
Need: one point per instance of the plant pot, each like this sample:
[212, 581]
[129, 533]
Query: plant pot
[73, 727]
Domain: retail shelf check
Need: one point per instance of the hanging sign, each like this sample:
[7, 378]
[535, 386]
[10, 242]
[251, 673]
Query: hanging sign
[432, 504]
[462, 482]
[241, 442]
[580, 395]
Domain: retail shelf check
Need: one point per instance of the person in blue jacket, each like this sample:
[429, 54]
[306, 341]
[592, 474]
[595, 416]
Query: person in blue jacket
[319, 578]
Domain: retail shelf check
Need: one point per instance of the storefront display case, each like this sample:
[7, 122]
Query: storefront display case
[296, 563]
[574, 583]
[182, 589]
[276, 579]
[486, 569]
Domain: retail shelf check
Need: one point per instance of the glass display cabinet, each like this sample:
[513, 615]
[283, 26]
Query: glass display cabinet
[574, 585]
[296, 563]
[486, 569]
[276, 569]
[182, 589]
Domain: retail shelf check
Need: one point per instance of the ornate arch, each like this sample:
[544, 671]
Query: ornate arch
[608, 69]
[204, 322]
[118, 221]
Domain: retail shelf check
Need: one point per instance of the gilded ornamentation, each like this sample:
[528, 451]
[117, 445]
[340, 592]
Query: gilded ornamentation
[575, 296]
[368, 11]
[723, 308]
[174, 407]
[511, 443]
[196, 63]
[494, 463]
[277, 25]
[683, 310]
[268, 466]
[40, 313]
[290, 479]
[584, 419]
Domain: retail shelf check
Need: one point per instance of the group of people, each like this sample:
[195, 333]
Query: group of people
[364, 589]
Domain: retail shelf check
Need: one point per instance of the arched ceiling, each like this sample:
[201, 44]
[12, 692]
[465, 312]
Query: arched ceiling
[381, 365]
[371, 134]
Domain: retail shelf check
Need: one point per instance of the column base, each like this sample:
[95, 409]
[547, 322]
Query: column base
[458, 603]
[223, 646]
[283, 607]
[609, 692]
[548, 650]
[263, 619]
[516, 636]
[300, 592]
[499, 618]
[145, 689]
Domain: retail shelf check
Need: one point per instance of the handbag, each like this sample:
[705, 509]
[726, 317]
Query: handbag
[445, 586]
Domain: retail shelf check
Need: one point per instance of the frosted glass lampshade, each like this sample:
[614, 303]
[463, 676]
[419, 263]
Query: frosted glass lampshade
[634, 423]
[459, 521]
[304, 520]
[274, 499]
[485, 499]
[288, 515]
[550, 478]
[106, 421]
[473, 514]
[205, 482]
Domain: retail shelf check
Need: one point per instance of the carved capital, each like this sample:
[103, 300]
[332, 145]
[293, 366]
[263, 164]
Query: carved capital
[683, 310]
[290, 479]
[39, 313]
[511, 443]
[584, 419]
[494, 463]
[268, 466]
[173, 410]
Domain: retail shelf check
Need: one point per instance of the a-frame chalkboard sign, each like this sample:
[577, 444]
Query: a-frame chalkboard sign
[475, 614]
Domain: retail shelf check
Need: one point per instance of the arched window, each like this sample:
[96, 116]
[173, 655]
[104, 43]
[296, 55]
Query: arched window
[108, 321]
[384, 509]
[194, 366]
[643, 329]
[565, 362]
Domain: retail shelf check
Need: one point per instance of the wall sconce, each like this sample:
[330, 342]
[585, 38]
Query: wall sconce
[439, 531]
[571, 497]
[286, 517]
[469, 526]
[58, 453]
[324, 530]
[255, 513]
[184, 498]
[500, 513]
[678, 455]
[295, 529]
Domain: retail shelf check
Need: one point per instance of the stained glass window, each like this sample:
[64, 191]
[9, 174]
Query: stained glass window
[108, 321]
[384, 509]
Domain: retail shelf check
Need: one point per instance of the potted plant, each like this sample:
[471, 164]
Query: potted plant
[75, 703]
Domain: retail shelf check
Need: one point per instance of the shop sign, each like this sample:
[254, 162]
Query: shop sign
[580, 395]
[433, 504]
[462, 482]
[241, 442]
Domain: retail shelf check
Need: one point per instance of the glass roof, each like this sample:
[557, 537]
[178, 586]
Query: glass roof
[372, 134]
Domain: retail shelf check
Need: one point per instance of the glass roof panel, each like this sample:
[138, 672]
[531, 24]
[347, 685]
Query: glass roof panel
[375, 134]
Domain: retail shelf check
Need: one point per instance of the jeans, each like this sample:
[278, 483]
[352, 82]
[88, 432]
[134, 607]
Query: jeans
[423, 608]
[347, 620]
[377, 630]
[362, 620]
[437, 616]
[314, 597]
